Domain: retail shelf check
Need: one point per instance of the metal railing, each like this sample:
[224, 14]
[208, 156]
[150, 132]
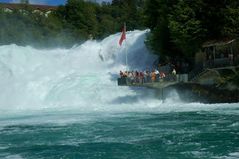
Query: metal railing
[124, 81]
[211, 64]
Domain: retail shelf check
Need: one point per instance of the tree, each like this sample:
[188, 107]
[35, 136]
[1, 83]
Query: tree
[82, 16]
[231, 13]
[179, 27]
[186, 29]
[157, 12]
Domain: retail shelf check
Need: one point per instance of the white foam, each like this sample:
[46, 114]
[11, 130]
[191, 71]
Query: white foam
[232, 155]
[38, 81]
[34, 79]
[14, 157]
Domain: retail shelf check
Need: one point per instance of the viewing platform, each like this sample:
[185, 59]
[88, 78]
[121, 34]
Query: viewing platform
[213, 63]
[205, 76]
[159, 84]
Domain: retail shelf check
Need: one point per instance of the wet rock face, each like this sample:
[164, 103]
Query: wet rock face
[204, 94]
[230, 86]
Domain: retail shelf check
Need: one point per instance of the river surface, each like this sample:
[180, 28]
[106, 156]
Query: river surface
[65, 103]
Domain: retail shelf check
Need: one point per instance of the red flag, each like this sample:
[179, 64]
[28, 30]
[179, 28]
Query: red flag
[123, 35]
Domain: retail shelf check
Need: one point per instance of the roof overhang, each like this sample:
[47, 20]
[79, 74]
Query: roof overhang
[217, 43]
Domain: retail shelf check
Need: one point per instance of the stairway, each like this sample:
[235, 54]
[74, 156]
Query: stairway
[198, 75]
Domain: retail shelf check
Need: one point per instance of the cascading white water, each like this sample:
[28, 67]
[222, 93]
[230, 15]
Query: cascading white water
[81, 77]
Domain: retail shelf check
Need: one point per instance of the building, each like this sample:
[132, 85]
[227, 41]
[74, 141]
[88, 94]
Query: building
[41, 9]
[218, 53]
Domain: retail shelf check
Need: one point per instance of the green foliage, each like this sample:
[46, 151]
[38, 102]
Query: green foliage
[179, 27]
[71, 24]
[235, 79]
[158, 21]
[231, 20]
[186, 30]
[28, 28]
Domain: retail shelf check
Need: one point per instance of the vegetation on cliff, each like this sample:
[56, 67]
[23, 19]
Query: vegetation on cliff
[180, 27]
[70, 24]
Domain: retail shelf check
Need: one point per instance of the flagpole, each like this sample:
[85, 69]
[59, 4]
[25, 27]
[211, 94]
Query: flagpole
[126, 53]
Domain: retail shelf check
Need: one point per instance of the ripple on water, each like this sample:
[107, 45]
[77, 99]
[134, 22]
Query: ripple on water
[13, 157]
[236, 124]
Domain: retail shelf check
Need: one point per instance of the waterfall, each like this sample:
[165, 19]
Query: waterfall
[83, 77]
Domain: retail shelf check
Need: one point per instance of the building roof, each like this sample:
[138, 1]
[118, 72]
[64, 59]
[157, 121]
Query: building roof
[13, 6]
[218, 43]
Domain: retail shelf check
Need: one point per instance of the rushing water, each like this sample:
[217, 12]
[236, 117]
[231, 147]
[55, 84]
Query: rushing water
[65, 103]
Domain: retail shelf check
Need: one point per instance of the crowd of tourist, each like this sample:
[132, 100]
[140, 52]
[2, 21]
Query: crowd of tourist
[147, 76]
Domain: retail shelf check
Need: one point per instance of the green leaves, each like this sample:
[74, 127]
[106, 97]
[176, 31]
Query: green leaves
[73, 23]
[186, 30]
[181, 26]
